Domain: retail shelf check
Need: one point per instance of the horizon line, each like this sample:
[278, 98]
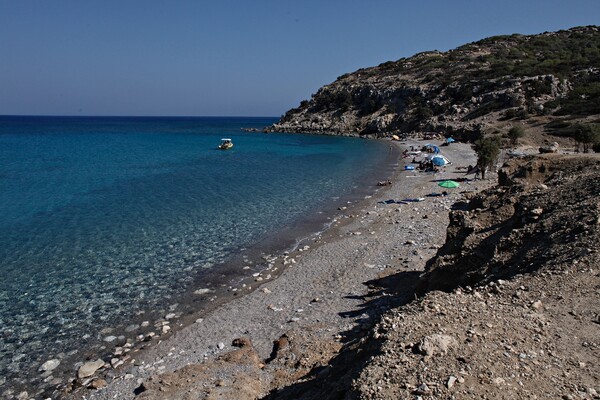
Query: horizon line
[137, 116]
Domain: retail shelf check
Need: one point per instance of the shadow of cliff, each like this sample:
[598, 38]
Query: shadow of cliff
[334, 381]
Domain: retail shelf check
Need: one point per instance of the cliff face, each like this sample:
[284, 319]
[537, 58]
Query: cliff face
[545, 211]
[462, 90]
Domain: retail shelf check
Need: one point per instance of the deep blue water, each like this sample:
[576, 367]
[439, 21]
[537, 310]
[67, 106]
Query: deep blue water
[102, 218]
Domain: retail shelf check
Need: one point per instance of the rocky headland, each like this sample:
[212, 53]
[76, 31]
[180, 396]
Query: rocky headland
[548, 83]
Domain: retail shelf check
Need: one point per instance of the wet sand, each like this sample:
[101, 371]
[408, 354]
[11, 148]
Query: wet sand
[322, 282]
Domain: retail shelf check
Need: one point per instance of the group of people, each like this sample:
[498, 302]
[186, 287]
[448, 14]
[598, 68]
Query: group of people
[427, 165]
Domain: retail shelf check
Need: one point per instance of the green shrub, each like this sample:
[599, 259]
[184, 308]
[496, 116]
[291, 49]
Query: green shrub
[587, 135]
[515, 133]
[582, 100]
[510, 113]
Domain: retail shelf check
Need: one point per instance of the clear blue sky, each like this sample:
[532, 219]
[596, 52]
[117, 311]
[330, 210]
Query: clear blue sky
[222, 57]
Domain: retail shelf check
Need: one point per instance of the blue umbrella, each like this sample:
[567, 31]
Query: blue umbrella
[439, 161]
[432, 146]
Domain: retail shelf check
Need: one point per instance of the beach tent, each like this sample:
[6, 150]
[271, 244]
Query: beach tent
[439, 160]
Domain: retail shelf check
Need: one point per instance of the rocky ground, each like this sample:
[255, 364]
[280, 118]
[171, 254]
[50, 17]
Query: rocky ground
[527, 326]
[519, 316]
[530, 325]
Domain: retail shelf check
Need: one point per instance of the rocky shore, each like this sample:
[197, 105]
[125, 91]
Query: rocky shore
[320, 301]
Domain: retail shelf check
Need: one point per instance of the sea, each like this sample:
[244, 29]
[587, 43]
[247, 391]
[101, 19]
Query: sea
[106, 222]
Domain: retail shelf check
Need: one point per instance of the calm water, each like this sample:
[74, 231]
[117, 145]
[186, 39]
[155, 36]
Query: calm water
[103, 218]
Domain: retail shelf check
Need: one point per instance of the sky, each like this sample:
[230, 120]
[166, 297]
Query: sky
[231, 58]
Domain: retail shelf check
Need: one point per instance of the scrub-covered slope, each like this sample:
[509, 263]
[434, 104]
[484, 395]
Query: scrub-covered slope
[473, 88]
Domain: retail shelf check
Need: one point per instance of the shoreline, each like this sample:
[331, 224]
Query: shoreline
[318, 270]
[223, 283]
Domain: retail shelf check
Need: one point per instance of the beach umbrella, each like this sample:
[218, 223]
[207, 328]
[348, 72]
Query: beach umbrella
[439, 161]
[448, 184]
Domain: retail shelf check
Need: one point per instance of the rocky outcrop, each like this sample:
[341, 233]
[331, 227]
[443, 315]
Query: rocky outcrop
[459, 92]
[544, 211]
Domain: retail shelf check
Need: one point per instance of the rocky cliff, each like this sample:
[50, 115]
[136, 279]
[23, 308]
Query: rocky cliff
[467, 89]
[544, 211]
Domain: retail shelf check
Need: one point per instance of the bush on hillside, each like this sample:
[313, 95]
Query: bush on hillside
[515, 133]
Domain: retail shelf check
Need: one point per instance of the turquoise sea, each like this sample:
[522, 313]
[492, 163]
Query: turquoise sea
[105, 221]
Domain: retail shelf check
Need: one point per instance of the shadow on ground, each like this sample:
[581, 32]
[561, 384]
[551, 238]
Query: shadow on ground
[334, 381]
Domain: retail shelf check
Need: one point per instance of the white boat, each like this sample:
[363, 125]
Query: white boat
[226, 144]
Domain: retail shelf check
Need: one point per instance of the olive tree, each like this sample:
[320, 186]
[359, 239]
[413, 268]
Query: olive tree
[487, 150]
[586, 135]
[515, 133]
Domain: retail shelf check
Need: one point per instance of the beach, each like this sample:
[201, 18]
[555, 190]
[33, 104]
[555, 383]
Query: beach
[322, 285]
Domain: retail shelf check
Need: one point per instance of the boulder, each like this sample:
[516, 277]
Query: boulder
[553, 148]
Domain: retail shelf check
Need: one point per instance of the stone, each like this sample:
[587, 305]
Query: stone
[23, 396]
[422, 389]
[170, 316]
[451, 382]
[221, 345]
[537, 305]
[202, 291]
[49, 365]
[241, 342]
[110, 338]
[98, 383]
[116, 362]
[436, 344]
[89, 368]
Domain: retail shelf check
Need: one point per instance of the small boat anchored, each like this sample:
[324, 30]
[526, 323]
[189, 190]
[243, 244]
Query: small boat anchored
[226, 144]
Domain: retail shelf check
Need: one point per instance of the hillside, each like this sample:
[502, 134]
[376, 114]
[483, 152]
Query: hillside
[547, 82]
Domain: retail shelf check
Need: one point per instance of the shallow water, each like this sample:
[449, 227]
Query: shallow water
[102, 219]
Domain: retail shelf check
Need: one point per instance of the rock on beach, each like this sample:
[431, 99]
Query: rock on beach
[89, 368]
[49, 365]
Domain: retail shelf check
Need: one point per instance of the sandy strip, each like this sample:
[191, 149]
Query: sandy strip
[385, 234]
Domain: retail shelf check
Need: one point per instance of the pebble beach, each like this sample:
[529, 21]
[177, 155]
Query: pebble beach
[323, 283]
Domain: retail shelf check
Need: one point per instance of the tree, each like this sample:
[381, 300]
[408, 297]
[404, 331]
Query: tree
[515, 133]
[586, 135]
[487, 149]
